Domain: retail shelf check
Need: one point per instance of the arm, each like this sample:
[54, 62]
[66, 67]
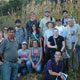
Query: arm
[75, 44]
[50, 46]
[53, 73]
[40, 58]
[30, 57]
[45, 44]
[63, 46]
[40, 42]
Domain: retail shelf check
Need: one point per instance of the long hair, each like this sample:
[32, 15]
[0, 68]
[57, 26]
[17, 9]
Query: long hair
[37, 30]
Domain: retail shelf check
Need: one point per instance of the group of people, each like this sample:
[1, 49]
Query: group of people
[39, 47]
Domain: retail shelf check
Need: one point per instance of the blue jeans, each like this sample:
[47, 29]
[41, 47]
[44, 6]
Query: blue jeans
[10, 70]
[78, 50]
[29, 67]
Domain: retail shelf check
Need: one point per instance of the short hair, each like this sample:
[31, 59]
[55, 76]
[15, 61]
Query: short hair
[55, 29]
[10, 29]
[64, 11]
[17, 21]
[32, 13]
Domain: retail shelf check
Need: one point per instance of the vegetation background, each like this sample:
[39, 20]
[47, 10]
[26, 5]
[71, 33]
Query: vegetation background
[10, 10]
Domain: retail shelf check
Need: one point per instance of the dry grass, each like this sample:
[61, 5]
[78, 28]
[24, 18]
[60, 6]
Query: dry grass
[56, 11]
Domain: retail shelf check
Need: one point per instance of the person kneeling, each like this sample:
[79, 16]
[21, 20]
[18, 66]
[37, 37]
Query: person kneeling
[55, 68]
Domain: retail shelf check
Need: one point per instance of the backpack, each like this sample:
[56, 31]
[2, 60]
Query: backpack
[62, 21]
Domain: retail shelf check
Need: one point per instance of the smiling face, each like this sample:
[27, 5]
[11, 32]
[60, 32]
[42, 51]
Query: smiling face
[57, 55]
[55, 31]
[33, 27]
[24, 46]
[11, 34]
[50, 25]
[47, 14]
[35, 44]
[32, 16]
[65, 14]
[70, 22]
[18, 25]
[58, 23]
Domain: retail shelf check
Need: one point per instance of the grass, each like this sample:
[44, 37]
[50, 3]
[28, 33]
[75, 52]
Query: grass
[39, 76]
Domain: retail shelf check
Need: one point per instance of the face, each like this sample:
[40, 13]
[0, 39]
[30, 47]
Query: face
[65, 15]
[11, 33]
[18, 24]
[33, 27]
[56, 32]
[70, 22]
[35, 44]
[58, 23]
[47, 14]
[5, 30]
[32, 16]
[23, 46]
[50, 25]
[0, 34]
[57, 56]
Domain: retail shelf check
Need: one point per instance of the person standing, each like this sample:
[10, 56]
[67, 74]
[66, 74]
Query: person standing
[30, 22]
[48, 33]
[60, 27]
[56, 43]
[8, 49]
[45, 20]
[20, 34]
[71, 35]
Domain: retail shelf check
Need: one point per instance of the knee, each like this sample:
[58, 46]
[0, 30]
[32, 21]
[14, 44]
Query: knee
[28, 63]
[38, 69]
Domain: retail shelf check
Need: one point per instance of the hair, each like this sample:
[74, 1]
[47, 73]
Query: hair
[37, 30]
[10, 29]
[32, 13]
[64, 11]
[55, 29]
[17, 21]
[36, 41]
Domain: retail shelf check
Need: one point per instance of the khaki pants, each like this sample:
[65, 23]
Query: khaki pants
[73, 61]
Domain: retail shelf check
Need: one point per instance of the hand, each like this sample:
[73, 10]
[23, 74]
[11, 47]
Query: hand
[44, 50]
[20, 61]
[55, 46]
[74, 49]
[33, 65]
[62, 77]
[36, 65]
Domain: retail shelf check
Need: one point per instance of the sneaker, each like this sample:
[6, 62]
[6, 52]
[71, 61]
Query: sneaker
[19, 74]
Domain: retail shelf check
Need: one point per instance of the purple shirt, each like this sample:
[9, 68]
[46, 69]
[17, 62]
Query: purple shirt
[54, 67]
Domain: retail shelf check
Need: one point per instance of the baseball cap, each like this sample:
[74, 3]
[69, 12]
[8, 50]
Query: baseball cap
[24, 42]
[47, 11]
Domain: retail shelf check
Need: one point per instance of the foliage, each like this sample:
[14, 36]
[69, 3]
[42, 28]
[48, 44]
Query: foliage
[29, 5]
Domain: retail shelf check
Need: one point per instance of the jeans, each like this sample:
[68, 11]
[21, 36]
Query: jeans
[78, 51]
[29, 67]
[10, 70]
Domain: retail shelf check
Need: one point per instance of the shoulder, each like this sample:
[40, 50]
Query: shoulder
[42, 19]
[50, 38]
[20, 50]
[49, 62]
[40, 49]
[27, 50]
[61, 37]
